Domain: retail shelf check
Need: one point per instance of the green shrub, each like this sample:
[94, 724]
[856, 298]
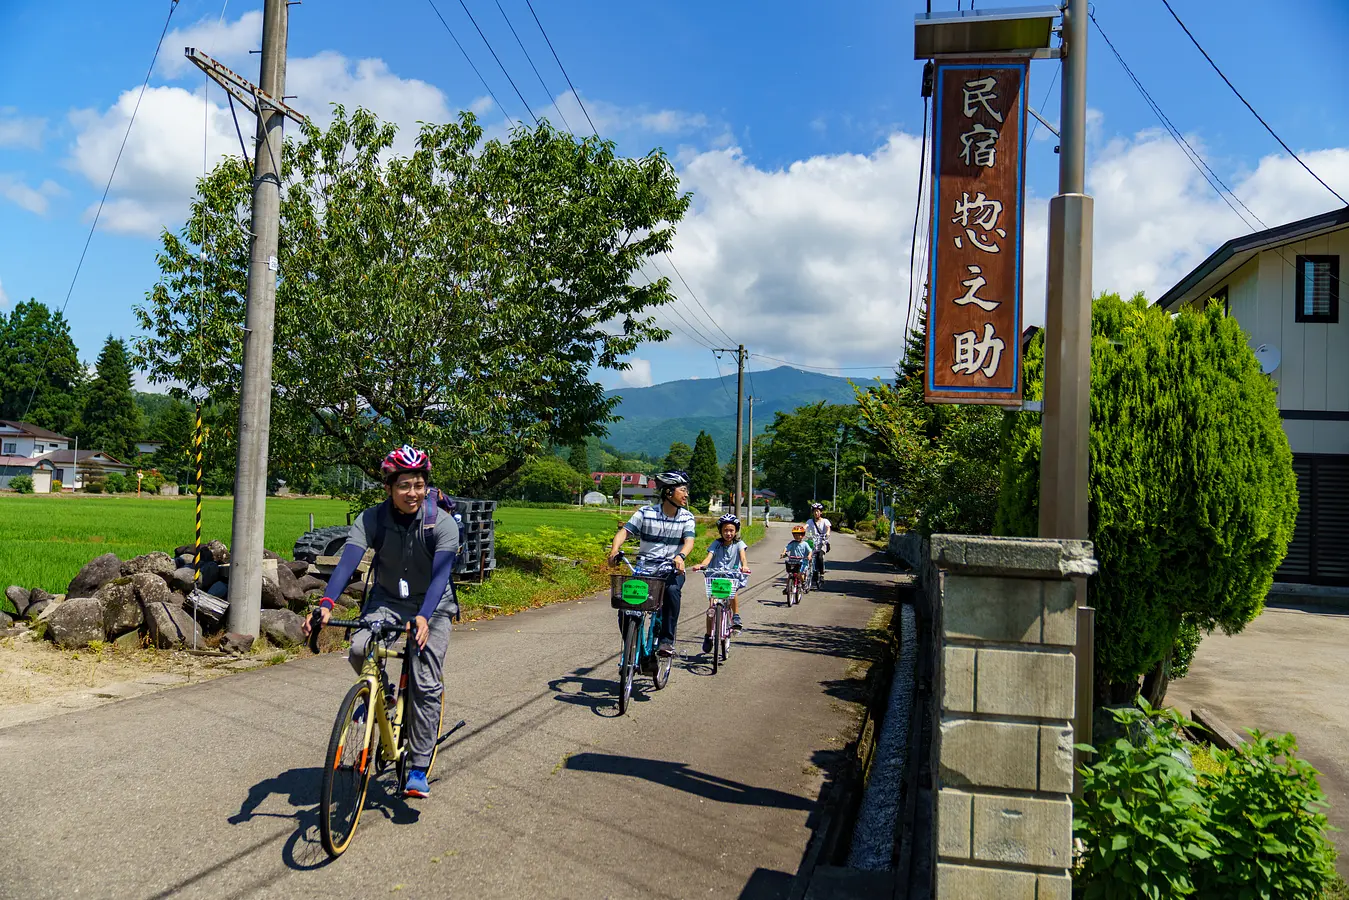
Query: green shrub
[1250, 826]
[93, 487]
[1192, 492]
[1187, 644]
[115, 483]
[21, 484]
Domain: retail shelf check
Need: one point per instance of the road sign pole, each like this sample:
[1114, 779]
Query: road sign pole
[255, 401]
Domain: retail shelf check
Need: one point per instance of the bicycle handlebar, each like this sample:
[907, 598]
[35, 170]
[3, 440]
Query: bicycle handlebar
[379, 630]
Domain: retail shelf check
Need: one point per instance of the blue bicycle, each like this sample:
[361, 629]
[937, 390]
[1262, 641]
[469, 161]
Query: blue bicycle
[638, 597]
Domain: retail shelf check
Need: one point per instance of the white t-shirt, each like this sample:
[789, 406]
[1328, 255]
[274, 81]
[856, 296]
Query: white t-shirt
[818, 532]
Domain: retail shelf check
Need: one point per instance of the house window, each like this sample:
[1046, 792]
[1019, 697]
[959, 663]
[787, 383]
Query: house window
[1221, 296]
[1318, 289]
[11, 448]
[39, 448]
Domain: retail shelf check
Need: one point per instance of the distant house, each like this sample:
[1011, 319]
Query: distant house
[146, 448]
[635, 485]
[74, 470]
[23, 449]
[1283, 285]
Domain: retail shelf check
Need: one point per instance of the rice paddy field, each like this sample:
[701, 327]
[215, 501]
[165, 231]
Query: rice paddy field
[45, 539]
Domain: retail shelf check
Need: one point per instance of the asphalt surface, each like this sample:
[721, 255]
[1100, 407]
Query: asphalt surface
[709, 788]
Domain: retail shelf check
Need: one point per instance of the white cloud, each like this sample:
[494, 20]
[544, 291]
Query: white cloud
[329, 77]
[227, 42]
[21, 131]
[810, 263]
[638, 373]
[611, 119]
[4, 298]
[34, 199]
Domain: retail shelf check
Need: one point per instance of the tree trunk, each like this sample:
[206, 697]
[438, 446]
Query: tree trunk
[1156, 682]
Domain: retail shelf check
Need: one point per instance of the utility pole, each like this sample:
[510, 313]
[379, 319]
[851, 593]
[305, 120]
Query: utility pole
[739, 416]
[1066, 422]
[255, 400]
[749, 507]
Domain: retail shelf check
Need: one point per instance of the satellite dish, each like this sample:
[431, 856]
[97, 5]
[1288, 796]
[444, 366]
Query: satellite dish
[1268, 356]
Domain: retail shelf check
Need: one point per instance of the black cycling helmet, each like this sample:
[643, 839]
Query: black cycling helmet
[729, 519]
[666, 482]
[819, 506]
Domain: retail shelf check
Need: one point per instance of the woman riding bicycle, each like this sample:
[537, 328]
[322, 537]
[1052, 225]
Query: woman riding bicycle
[413, 565]
[818, 530]
[727, 555]
[665, 534]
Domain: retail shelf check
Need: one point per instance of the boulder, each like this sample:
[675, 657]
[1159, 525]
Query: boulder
[19, 596]
[270, 554]
[282, 627]
[183, 559]
[219, 589]
[169, 626]
[76, 622]
[37, 595]
[273, 597]
[96, 573]
[121, 612]
[150, 588]
[217, 551]
[47, 609]
[234, 642]
[36, 607]
[184, 579]
[176, 599]
[310, 583]
[5, 621]
[346, 601]
[185, 550]
[289, 584]
[129, 642]
[299, 568]
[156, 563]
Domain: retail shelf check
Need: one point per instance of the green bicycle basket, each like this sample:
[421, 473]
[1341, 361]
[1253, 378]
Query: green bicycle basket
[721, 588]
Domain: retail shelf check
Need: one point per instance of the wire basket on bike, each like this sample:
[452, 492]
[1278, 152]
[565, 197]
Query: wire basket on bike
[723, 585]
[636, 592]
[794, 565]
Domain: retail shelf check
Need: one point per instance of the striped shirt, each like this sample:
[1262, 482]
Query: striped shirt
[660, 535]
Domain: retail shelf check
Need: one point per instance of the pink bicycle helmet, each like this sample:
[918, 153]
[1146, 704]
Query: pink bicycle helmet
[405, 459]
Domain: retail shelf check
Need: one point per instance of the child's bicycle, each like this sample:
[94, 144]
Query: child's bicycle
[796, 580]
[370, 732]
[638, 597]
[721, 588]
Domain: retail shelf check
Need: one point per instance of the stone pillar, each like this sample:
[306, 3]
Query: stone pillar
[1007, 621]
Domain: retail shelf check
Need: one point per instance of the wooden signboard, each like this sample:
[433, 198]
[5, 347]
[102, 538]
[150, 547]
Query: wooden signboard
[978, 187]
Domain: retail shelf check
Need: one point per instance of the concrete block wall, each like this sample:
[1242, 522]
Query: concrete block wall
[1006, 621]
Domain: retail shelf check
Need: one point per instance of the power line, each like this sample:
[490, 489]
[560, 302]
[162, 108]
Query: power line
[499, 63]
[469, 60]
[721, 379]
[691, 332]
[1034, 121]
[917, 212]
[530, 60]
[173, 5]
[1229, 83]
[562, 68]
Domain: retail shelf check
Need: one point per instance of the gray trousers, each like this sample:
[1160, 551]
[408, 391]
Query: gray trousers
[427, 685]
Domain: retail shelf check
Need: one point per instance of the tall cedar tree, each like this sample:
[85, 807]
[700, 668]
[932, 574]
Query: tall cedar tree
[1192, 491]
[704, 473]
[111, 419]
[579, 458]
[174, 427]
[40, 373]
[678, 459]
[460, 298]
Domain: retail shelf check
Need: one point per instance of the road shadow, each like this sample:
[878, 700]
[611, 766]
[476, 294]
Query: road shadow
[682, 778]
[827, 640]
[300, 788]
[766, 884]
[599, 695]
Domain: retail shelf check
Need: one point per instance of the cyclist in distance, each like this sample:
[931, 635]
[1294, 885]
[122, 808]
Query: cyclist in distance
[797, 548]
[727, 554]
[817, 532]
[413, 564]
[665, 534]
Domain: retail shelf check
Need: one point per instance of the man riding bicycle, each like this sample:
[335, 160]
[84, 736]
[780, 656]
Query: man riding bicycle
[817, 533]
[413, 564]
[665, 533]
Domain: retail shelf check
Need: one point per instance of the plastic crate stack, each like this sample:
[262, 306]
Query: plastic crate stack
[477, 537]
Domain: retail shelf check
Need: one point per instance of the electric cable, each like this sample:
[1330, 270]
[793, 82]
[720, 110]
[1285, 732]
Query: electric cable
[469, 60]
[492, 51]
[530, 60]
[562, 67]
[917, 212]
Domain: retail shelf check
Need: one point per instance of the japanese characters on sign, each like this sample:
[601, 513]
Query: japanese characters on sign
[978, 173]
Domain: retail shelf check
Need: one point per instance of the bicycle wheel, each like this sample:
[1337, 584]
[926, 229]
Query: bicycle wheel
[725, 633]
[440, 723]
[793, 591]
[661, 677]
[346, 773]
[627, 664]
[716, 639]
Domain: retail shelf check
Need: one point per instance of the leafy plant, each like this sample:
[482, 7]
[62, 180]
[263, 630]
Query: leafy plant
[115, 483]
[1141, 818]
[21, 484]
[1266, 811]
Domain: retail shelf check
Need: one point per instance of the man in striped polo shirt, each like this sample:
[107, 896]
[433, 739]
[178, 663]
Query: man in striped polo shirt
[665, 534]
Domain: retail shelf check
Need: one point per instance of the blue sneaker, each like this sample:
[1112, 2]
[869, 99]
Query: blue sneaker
[416, 785]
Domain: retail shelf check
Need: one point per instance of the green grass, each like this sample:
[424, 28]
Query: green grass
[45, 539]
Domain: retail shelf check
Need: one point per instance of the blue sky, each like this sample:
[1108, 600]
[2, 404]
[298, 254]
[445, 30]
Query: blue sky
[795, 124]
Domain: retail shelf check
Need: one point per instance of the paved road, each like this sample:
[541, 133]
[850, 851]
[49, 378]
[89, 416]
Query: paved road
[707, 789]
[1285, 672]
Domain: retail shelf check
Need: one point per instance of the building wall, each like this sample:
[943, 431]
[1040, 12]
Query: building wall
[1314, 371]
[26, 445]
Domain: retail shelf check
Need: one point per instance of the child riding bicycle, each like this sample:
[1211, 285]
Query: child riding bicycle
[798, 549]
[414, 559]
[727, 555]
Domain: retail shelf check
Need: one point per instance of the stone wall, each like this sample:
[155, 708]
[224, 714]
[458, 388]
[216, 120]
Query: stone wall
[1007, 622]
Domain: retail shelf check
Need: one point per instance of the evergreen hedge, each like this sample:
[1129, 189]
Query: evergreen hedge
[1192, 492]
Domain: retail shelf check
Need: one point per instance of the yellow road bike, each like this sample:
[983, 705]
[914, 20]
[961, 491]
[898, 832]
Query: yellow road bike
[371, 731]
